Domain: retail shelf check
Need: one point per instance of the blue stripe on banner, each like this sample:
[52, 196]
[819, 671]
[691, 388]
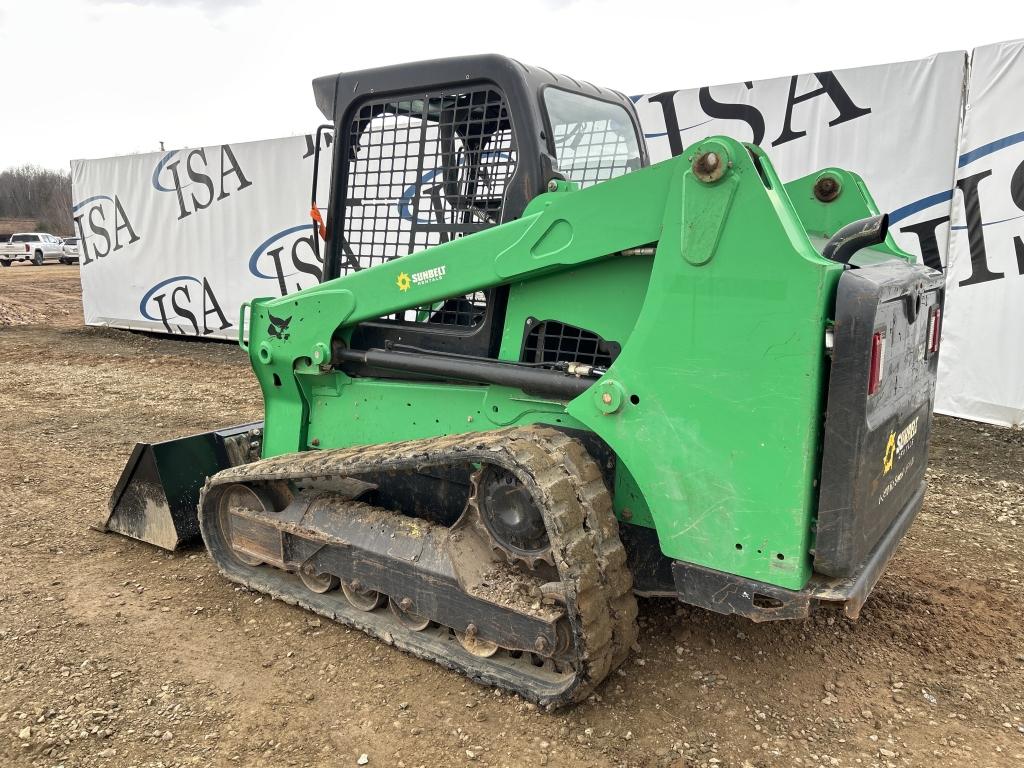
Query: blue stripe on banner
[990, 223]
[159, 167]
[988, 149]
[966, 158]
[665, 133]
[919, 205]
[76, 206]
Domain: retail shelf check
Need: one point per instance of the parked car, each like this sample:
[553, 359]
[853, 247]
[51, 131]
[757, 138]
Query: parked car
[71, 254]
[35, 247]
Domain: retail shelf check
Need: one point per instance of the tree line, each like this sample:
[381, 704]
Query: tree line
[31, 192]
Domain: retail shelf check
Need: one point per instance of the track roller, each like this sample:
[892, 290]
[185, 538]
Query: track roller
[362, 599]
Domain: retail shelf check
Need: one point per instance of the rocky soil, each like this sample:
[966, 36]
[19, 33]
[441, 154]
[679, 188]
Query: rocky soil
[113, 653]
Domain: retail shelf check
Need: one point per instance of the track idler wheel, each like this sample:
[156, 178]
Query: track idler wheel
[239, 497]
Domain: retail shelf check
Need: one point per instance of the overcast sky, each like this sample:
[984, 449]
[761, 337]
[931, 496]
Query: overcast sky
[82, 79]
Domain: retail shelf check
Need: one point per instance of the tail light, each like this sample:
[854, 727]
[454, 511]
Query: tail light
[934, 329]
[27, 249]
[877, 368]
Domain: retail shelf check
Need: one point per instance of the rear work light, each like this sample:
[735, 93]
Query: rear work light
[877, 368]
[934, 330]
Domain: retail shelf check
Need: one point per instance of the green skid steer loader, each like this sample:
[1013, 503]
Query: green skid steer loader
[542, 376]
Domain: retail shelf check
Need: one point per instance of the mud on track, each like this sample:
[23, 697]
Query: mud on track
[113, 653]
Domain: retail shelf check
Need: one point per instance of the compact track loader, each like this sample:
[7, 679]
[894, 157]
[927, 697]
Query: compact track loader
[542, 376]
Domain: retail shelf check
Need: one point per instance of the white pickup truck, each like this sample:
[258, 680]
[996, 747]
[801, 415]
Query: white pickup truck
[36, 247]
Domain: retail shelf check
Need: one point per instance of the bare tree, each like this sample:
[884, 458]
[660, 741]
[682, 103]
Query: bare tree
[37, 193]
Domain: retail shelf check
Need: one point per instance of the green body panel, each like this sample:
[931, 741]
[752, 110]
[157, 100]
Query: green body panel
[612, 292]
[364, 411]
[855, 202]
[714, 407]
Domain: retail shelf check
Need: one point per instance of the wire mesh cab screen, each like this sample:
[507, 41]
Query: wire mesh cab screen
[424, 170]
[594, 140]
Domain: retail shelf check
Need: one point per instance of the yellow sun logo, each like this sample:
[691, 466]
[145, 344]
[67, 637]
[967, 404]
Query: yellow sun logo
[890, 453]
[403, 281]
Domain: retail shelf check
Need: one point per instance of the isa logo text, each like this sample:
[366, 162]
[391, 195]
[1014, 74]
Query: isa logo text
[185, 305]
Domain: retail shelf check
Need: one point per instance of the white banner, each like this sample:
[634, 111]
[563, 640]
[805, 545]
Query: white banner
[981, 368]
[175, 241]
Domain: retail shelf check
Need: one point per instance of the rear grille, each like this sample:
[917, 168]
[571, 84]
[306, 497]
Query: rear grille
[424, 170]
[553, 342]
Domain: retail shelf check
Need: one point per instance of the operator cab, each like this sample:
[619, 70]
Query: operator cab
[428, 152]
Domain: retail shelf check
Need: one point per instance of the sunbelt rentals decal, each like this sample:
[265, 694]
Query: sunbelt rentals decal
[405, 281]
[898, 444]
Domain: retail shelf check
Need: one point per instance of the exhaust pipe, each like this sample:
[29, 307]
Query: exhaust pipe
[855, 236]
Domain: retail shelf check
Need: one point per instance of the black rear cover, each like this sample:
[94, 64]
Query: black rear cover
[876, 446]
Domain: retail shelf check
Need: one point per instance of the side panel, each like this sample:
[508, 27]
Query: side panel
[604, 298]
[345, 412]
[722, 381]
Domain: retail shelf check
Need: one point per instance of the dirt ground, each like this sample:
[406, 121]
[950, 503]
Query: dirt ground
[113, 653]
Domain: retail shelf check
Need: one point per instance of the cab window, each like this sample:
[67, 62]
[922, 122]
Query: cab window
[594, 140]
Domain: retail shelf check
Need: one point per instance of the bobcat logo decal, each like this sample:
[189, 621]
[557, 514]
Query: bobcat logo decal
[279, 327]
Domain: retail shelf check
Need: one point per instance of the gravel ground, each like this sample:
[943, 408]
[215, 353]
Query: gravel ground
[113, 653]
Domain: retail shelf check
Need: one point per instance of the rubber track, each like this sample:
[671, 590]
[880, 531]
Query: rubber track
[575, 503]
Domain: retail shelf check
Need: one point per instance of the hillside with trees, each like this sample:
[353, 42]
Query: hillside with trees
[30, 193]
